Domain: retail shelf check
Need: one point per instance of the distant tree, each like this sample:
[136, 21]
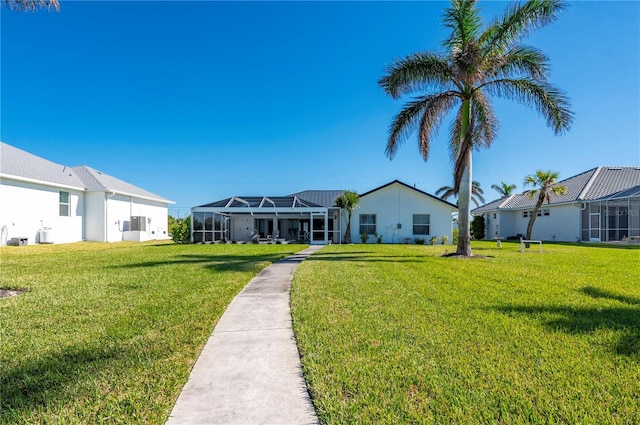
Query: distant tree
[445, 192]
[181, 230]
[504, 189]
[348, 202]
[478, 227]
[478, 63]
[545, 184]
[31, 5]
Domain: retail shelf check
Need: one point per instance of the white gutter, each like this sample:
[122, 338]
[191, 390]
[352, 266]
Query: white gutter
[41, 182]
[146, 198]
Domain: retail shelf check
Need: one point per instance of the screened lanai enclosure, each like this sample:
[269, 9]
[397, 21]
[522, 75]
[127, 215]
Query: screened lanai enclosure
[282, 219]
[614, 218]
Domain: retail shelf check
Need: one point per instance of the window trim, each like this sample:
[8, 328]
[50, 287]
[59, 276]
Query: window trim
[427, 225]
[361, 225]
[64, 204]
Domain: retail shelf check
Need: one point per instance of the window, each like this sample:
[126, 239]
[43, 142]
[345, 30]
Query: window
[368, 224]
[421, 224]
[65, 207]
[525, 214]
[545, 212]
[539, 213]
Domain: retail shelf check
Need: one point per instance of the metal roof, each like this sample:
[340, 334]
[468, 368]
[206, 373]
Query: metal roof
[325, 198]
[593, 184]
[23, 165]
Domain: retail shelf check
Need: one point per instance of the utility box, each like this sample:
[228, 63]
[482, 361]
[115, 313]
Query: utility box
[19, 241]
[138, 223]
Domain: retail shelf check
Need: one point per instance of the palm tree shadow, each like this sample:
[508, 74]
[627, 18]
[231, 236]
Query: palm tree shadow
[624, 320]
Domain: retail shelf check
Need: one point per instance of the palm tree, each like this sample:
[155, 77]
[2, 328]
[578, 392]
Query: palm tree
[348, 202]
[504, 189]
[445, 192]
[31, 5]
[477, 64]
[545, 184]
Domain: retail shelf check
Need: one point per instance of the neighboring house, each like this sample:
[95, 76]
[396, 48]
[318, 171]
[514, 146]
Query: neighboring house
[396, 212]
[603, 204]
[45, 202]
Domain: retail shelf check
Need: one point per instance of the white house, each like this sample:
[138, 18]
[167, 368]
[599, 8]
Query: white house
[602, 204]
[45, 202]
[396, 212]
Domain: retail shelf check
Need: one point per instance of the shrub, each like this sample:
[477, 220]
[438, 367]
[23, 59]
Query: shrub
[477, 227]
[456, 233]
[433, 240]
[181, 230]
[364, 237]
[419, 241]
[445, 239]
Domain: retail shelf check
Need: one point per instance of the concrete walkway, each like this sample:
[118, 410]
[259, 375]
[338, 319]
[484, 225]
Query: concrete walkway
[249, 371]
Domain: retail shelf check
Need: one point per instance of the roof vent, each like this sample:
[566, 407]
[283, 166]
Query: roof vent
[615, 168]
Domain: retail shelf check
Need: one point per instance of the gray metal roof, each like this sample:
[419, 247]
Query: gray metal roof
[16, 162]
[633, 192]
[593, 184]
[324, 198]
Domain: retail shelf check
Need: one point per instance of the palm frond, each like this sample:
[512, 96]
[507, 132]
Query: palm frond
[517, 21]
[420, 71]
[552, 103]
[426, 112]
[31, 5]
[463, 19]
[520, 60]
[485, 121]
[445, 192]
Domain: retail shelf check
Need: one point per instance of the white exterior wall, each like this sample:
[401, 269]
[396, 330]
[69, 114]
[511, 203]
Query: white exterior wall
[562, 224]
[119, 210]
[94, 229]
[396, 204]
[27, 207]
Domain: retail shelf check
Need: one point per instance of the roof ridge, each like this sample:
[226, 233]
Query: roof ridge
[587, 186]
[506, 199]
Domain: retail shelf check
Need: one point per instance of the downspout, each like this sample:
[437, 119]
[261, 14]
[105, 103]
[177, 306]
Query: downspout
[106, 215]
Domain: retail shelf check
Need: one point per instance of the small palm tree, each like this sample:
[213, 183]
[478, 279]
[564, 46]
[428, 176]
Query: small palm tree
[545, 184]
[446, 192]
[31, 5]
[348, 202]
[478, 62]
[504, 189]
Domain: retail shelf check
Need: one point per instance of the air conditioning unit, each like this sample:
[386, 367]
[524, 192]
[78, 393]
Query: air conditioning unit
[138, 223]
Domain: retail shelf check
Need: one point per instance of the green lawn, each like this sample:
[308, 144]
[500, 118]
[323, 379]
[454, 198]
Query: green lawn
[397, 334]
[108, 333]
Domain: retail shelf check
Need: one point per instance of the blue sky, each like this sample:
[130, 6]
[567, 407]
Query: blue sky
[198, 101]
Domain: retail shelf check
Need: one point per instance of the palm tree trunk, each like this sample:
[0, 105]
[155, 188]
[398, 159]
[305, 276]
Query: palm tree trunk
[464, 203]
[534, 214]
[464, 192]
[347, 232]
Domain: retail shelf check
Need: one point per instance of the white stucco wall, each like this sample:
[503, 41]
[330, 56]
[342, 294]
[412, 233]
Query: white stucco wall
[95, 220]
[27, 207]
[396, 204]
[562, 224]
[121, 208]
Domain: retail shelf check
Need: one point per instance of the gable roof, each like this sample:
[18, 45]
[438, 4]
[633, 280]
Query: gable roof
[324, 198]
[411, 188]
[17, 163]
[594, 184]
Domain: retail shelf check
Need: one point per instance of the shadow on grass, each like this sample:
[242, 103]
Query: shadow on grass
[574, 320]
[215, 263]
[48, 381]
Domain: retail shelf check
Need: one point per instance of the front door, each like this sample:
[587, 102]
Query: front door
[594, 227]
